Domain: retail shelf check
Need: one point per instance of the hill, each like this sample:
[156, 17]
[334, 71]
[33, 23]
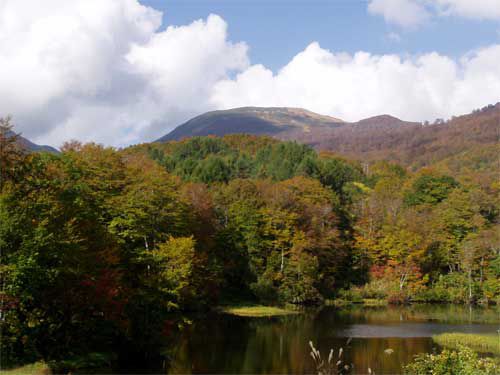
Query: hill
[272, 121]
[30, 146]
[413, 144]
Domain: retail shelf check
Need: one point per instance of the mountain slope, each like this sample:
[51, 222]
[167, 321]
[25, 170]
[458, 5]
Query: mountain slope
[252, 120]
[375, 138]
[30, 146]
[414, 143]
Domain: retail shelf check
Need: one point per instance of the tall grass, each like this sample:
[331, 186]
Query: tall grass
[478, 343]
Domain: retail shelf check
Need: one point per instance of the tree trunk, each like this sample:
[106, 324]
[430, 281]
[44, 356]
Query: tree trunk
[282, 260]
[470, 285]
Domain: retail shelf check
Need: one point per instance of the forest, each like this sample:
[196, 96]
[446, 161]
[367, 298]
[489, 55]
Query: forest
[116, 245]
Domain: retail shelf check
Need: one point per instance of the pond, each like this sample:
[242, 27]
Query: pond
[222, 343]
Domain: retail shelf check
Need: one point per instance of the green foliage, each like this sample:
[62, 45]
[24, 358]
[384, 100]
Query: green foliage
[208, 160]
[461, 362]
[450, 288]
[430, 189]
[171, 271]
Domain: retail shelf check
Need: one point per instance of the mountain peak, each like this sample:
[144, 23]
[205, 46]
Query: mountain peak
[252, 120]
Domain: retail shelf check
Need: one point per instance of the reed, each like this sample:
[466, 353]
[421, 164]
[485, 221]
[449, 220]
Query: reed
[334, 364]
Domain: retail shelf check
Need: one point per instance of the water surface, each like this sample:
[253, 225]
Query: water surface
[221, 343]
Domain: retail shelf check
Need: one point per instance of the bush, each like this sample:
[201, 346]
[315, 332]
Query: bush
[378, 289]
[450, 288]
[491, 291]
[398, 298]
[351, 295]
[461, 362]
[264, 290]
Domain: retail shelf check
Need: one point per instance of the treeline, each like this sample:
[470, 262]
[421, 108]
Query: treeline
[103, 250]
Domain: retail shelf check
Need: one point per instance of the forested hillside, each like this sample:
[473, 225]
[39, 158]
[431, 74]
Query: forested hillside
[414, 144]
[381, 137]
[113, 245]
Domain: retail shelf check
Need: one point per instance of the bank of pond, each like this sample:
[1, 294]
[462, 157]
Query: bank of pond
[261, 339]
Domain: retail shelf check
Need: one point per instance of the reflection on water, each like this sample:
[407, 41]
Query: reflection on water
[409, 330]
[221, 343]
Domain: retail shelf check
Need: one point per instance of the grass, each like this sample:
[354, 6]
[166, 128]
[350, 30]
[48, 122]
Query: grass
[339, 302]
[257, 311]
[37, 368]
[478, 343]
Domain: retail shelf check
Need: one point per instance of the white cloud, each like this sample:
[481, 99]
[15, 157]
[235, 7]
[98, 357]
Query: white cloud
[362, 85]
[413, 13]
[479, 9]
[105, 71]
[407, 13]
[102, 70]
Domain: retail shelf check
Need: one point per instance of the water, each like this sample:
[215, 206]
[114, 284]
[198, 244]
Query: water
[220, 343]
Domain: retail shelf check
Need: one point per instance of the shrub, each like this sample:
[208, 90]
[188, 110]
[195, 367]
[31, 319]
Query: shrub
[448, 288]
[461, 362]
[398, 298]
[351, 295]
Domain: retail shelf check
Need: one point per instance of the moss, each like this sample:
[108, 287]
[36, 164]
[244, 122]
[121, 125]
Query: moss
[478, 343]
[257, 311]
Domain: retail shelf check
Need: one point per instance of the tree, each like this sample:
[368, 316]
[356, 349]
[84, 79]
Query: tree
[429, 188]
[12, 155]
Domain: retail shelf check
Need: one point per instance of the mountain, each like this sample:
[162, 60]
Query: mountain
[274, 121]
[416, 144]
[380, 137]
[30, 146]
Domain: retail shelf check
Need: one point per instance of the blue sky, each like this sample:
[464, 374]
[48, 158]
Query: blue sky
[120, 72]
[276, 30]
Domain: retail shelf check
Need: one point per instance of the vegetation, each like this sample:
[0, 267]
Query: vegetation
[258, 311]
[478, 343]
[461, 362]
[117, 245]
[334, 364]
[37, 368]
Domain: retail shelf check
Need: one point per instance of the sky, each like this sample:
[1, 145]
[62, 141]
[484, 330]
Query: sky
[120, 72]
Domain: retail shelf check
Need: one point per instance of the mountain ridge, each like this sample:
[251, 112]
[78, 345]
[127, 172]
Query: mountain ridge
[377, 137]
[29, 145]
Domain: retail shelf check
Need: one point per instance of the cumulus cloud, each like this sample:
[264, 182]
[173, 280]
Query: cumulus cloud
[103, 70]
[413, 13]
[361, 85]
[106, 71]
